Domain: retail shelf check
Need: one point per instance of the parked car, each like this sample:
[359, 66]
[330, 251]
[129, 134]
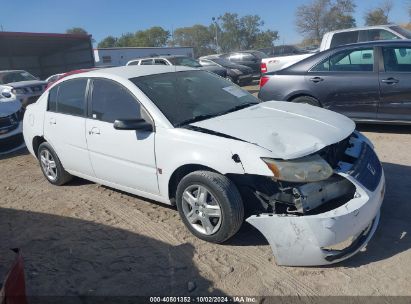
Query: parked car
[337, 38]
[252, 59]
[21, 85]
[239, 74]
[178, 60]
[369, 82]
[300, 174]
[11, 126]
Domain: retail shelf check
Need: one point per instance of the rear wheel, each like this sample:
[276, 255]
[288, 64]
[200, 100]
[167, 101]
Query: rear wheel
[308, 100]
[210, 206]
[51, 166]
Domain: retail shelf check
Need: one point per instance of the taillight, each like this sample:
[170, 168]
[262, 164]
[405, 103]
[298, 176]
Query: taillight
[263, 67]
[263, 80]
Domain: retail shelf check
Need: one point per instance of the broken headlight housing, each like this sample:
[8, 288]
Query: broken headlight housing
[310, 168]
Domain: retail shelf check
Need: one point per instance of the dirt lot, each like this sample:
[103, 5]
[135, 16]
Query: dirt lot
[86, 239]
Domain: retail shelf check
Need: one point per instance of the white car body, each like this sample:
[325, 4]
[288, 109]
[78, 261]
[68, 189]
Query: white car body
[328, 41]
[94, 150]
[11, 126]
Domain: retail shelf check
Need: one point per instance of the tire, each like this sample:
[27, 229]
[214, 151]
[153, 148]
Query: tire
[220, 193]
[308, 100]
[55, 174]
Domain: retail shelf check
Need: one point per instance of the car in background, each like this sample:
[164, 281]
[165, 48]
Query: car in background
[337, 38]
[252, 59]
[178, 60]
[21, 85]
[11, 126]
[53, 78]
[302, 175]
[239, 74]
[62, 75]
[368, 82]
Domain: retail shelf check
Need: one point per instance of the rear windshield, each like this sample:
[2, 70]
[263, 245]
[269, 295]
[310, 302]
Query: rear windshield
[185, 61]
[183, 96]
[401, 31]
[15, 76]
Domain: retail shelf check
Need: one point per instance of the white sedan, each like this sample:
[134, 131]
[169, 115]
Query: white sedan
[301, 175]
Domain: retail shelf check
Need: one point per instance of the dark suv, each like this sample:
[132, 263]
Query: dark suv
[251, 59]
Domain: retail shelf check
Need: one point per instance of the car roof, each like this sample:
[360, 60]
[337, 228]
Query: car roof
[132, 71]
[382, 26]
[375, 42]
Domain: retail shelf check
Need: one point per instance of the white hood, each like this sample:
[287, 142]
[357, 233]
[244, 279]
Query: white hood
[288, 130]
[9, 106]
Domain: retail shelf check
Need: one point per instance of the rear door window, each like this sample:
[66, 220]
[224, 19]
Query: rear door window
[397, 59]
[69, 97]
[146, 62]
[380, 34]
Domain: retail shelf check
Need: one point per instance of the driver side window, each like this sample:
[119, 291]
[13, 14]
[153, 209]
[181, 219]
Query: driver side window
[111, 101]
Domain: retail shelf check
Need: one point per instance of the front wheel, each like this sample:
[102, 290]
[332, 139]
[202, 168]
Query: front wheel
[210, 206]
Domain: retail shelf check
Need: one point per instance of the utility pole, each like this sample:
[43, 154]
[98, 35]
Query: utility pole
[216, 34]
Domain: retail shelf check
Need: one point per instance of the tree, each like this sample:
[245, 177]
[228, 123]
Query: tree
[198, 36]
[125, 40]
[107, 42]
[379, 15]
[77, 31]
[320, 16]
[244, 33]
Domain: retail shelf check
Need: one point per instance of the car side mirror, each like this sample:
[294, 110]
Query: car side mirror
[133, 124]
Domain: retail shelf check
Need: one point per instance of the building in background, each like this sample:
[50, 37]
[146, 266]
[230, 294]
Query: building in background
[45, 54]
[119, 56]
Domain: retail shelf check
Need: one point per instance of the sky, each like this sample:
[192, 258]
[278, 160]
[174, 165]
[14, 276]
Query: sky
[102, 18]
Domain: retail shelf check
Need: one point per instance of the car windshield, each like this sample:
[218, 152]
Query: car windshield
[190, 96]
[15, 76]
[402, 31]
[185, 61]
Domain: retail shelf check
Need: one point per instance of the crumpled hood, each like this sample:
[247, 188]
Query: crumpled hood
[9, 107]
[22, 84]
[288, 130]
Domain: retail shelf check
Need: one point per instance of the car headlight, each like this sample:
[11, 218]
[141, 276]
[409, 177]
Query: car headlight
[237, 71]
[310, 168]
[5, 93]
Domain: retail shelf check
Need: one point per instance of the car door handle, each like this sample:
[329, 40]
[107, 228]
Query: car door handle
[390, 80]
[94, 131]
[52, 121]
[316, 79]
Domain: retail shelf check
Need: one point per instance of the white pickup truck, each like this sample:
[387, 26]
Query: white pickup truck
[336, 38]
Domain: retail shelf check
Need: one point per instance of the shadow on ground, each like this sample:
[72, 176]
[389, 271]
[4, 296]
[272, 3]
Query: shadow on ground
[381, 128]
[71, 257]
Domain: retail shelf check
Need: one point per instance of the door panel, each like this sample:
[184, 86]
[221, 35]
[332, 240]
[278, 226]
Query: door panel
[123, 157]
[395, 84]
[347, 83]
[64, 125]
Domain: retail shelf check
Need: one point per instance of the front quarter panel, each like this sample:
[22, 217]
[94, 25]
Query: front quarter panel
[178, 147]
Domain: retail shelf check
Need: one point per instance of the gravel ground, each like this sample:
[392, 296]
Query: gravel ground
[86, 239]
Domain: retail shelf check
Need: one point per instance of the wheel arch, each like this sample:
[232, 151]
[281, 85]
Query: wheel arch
[37, 141]
[300, 94]
[178, 175]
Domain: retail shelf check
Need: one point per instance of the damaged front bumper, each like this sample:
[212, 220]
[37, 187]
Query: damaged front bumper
[337, 234]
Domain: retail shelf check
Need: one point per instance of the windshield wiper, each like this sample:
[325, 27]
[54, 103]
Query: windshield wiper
[195, 119]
